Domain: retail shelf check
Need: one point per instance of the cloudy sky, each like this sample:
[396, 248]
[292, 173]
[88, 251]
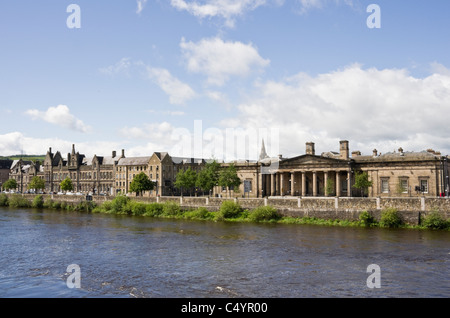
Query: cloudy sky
[211, 78]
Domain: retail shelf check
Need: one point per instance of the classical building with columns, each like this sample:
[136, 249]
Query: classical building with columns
[398, 173]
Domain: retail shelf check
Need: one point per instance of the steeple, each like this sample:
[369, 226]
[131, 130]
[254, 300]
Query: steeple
[263, 153]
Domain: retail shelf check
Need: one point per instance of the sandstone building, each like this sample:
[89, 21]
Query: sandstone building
[399, 173]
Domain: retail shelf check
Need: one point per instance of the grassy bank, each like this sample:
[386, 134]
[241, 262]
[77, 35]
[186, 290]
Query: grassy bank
[229, 211]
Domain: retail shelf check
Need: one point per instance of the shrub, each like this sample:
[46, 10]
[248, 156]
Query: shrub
[85, 206]
[3, 199]
[229, 209]
[390, 218]
[138, 208]
[56, 205]
[48, 203]
[154, 209]
[201, 213]
[119, 203]
[171, 209]
[38, 202]
[435, 221]
[264, 213]
[366, 219]
[17, 201]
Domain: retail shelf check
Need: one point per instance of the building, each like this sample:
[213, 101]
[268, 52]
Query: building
[94, 174]
[399, 173]
[5, 168]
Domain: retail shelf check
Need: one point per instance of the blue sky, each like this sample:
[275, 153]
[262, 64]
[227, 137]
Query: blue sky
[145, 76]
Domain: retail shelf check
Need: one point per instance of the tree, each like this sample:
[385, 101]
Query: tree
[66, 184]
[228, 178]
[186, 179]
[208, 178]
[329, 187]
[37, 183]
[141, 183]
[362, 182]
[10, 184]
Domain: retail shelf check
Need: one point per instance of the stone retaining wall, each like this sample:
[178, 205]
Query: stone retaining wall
[410, 209]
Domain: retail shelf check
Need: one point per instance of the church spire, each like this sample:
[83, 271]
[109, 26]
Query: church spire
[263, 153]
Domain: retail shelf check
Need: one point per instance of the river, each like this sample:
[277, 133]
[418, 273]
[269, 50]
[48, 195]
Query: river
[127, 257]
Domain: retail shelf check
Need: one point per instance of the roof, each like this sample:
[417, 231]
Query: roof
[400, 156]
[134, 161]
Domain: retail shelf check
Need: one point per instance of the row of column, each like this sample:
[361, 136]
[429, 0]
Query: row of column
[275, 184]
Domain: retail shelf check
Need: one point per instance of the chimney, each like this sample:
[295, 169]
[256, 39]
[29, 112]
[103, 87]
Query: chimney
[50, 150]
[400, 150]
[375, 152]
[310, 150]
[123, 153]
[114, 154]
[343, 150]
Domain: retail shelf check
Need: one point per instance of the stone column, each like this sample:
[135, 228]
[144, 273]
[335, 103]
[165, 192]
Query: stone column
[272, 186]
[277, 186]
[282, 184]
[303, 183]
[314, 183]
[292, 183]
[349, 183]
[338, 184]
[325, 181]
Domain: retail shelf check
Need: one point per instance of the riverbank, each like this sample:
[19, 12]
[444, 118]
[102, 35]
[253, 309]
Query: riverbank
[229, 211]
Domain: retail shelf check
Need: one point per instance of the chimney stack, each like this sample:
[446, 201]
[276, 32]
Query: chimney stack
[344, 150]
[123, 153]
[310, 148]
[375, 152]
[114, 154]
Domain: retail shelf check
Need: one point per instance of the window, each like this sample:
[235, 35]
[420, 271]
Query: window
[424, 186]
[384, 185]
[404, 185]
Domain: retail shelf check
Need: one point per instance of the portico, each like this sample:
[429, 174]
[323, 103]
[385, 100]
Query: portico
[307, 182]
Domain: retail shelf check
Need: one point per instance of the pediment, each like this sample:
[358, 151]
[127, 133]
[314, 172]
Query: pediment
[311, 160]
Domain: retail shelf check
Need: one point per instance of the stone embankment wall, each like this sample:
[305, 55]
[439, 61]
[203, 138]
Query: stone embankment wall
[411, 209]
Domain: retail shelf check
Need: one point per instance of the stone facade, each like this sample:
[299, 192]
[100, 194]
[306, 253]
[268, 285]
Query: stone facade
[330, 174]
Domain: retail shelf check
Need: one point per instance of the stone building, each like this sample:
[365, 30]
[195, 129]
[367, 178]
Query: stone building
[23, 171]
[333, 173]
[94, 174]
[399, 173]
[5, 168]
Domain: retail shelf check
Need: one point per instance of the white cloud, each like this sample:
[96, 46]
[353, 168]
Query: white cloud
[15, 142]
[226, 9]
[178, 91]
[220, 60]
[382, 109]
[140, 6]
[121, 67]
[60, 116]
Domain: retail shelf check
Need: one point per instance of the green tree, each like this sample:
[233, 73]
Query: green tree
[208, 178]
[66, 184]
[141, 183]
[37, 183]
[186, 179]
[329, 187]
[228, 178]
[362, 182]
[10, 184]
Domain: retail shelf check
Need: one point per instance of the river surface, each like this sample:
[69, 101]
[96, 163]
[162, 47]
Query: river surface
[127, 257]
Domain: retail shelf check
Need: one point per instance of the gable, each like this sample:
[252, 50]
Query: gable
[311, 160]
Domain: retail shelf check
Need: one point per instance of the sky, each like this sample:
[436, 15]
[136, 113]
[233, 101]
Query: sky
[212, 79]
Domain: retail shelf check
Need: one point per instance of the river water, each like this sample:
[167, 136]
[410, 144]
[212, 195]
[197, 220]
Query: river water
[127, 257]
